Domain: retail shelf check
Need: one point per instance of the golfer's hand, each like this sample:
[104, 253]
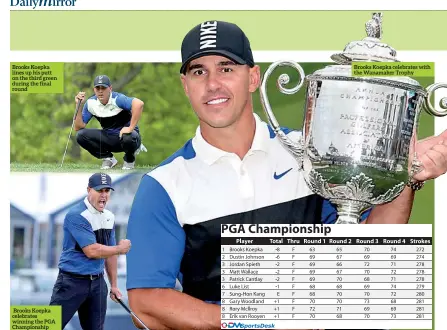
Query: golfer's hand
[115, 293]
[80, 97]
[124, 246]
[125, 130]
[432, 153]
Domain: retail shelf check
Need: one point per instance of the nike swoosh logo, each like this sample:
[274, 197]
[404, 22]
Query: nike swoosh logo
[279, 176]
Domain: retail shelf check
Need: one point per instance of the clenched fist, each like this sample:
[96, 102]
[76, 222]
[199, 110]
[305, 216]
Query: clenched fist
[80, 97]
[124, 246]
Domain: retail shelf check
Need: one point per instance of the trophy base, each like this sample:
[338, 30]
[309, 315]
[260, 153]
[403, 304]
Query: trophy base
[349, 212]
[347, 220]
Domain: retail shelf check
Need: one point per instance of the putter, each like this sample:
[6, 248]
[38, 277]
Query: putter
[71, 130]
[131, 313]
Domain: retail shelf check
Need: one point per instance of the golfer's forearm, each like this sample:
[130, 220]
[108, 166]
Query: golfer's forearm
[111, 268]
[79, 123]
[99, 251]
[398, 211]
[171, 309]
[137, 109]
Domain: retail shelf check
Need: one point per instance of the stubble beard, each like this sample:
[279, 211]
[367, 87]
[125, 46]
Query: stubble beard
[225, 122]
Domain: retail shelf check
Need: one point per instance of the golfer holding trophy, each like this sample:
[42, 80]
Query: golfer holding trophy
[359, 133]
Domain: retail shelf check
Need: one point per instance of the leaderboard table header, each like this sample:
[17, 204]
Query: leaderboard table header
[327, 241]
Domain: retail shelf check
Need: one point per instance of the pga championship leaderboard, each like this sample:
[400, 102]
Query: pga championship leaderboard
[326, 276]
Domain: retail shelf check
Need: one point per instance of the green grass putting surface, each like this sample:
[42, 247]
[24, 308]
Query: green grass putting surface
[72, 167]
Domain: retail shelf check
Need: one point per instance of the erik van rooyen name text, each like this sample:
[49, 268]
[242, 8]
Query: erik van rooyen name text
[43, 3]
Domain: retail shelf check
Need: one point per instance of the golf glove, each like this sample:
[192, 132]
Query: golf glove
[141, 148]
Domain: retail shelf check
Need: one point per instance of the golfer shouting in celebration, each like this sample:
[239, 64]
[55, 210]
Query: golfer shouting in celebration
[118, 115]
[89, 245]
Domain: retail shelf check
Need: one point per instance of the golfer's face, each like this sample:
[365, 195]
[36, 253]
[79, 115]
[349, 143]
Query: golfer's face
[218, 89]
[102, 93]
[99, 198]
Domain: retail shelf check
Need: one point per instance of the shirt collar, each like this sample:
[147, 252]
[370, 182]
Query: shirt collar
[262, 136]
[90, 207]
[210, 154]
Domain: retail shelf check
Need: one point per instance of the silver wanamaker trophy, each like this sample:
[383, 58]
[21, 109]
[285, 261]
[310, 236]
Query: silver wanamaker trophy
[358, 132]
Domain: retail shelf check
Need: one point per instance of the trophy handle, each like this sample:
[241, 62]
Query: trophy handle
[443, 103]
[296, 148]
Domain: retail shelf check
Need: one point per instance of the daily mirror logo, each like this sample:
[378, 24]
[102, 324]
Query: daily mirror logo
[43, 3]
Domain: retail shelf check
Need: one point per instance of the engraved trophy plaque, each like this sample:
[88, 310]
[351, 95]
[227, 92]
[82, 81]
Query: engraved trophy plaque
[358, 132]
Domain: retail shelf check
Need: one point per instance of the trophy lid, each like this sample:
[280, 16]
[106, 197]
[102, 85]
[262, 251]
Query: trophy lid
[370, 48]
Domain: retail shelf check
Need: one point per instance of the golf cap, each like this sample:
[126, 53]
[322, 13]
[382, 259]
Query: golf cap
[216, 38]
[100, 181]
[102, 80]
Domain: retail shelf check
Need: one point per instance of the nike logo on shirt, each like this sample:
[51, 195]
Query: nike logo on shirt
[279, 176]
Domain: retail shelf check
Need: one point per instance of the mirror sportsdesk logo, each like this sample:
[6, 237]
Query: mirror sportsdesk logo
[240, 325]
[42, 3]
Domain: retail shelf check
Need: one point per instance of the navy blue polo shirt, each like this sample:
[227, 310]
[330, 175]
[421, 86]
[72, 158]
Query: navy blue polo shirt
[113, 116]
[83, 226]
